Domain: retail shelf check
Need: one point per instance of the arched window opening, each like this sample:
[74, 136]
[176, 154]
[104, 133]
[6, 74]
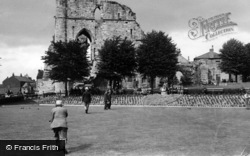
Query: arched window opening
[84, 38]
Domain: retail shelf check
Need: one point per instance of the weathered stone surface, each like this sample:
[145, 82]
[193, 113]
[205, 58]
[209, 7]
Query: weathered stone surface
[45, 86]
[98, 21]
[76, 17]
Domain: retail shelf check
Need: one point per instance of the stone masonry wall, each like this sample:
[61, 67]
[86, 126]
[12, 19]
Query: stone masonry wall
[76, 17]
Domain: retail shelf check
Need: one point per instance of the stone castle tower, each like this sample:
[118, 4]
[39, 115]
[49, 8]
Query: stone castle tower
[93, 21]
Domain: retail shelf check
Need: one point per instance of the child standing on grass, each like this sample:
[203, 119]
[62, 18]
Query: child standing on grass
[59, 122]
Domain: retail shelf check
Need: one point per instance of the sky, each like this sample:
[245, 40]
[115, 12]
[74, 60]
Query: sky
[27, 27]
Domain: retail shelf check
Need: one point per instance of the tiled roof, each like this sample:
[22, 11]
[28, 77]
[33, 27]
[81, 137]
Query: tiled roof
[23, 79]
[181, 59]
[209, 55]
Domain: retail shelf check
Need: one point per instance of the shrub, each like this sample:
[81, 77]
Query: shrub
[233, 91]
[128, 91]
[97, 91]
[49, 94]
[194, 90]
[11, 99]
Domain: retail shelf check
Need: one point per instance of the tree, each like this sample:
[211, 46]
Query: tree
[233, 56]
[157, 56]
[40, 74]
[117, 59]
[246, 73]
[186, 78]
[68, 61]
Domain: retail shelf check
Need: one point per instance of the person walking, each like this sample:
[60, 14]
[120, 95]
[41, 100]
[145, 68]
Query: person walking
[86, 99]
[59, 122]
[107, 99]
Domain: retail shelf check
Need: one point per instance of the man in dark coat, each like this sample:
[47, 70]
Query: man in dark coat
[86, 99]
[107, 99]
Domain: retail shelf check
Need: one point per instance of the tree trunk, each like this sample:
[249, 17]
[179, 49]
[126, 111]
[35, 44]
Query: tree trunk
[236, 78]
[244, 78]
[110, 83]
[152, 78]
[66, 88]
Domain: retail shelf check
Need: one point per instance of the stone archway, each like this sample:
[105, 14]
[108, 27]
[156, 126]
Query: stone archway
[86, 33]
[85, 37]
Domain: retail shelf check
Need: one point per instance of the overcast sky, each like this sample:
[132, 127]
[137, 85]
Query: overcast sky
[27, 27]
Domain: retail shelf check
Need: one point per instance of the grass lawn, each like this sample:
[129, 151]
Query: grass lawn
[136, 130]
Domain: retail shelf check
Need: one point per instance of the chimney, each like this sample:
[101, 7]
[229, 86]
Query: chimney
[212, 50]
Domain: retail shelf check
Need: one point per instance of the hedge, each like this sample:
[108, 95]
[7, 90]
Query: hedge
[13, 99]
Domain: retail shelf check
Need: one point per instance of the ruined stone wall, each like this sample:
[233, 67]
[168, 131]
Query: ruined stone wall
[73, 16]
[76, 17]
[79, 17]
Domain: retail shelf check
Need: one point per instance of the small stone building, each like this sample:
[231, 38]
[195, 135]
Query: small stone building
[210, 72]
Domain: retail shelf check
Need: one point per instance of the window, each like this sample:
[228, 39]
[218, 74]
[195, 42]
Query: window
[119, 16]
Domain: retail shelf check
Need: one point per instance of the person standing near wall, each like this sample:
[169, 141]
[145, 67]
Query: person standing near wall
[247, 96]
[86, 99]
[107, 99]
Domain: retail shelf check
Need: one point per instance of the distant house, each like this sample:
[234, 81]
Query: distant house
[209, 68]
[183, 61]
[18, 84]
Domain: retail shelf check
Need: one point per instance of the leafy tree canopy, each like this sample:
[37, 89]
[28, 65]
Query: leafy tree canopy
[117, 59]
[157, 56]
[233, 56]
[68, 61]
[246, 72]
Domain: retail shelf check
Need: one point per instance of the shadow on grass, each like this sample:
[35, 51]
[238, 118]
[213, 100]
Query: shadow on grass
[79, 148]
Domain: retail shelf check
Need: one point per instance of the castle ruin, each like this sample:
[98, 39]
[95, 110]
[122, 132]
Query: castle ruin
[93, 21]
